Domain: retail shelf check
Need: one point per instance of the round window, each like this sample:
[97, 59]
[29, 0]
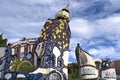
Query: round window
[22, 55]
[29, 55]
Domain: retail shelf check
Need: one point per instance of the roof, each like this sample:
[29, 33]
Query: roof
[23, 41]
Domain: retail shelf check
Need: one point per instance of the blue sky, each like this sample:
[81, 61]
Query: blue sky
[95, 24]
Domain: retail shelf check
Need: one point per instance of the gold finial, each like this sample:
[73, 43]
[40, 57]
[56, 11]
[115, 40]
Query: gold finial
[64, 13]
[66, 8]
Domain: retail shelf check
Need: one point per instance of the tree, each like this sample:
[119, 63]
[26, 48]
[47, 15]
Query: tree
[3, 42]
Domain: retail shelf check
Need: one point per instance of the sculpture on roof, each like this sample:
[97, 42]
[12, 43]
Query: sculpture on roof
[94, 69]
[87, 64]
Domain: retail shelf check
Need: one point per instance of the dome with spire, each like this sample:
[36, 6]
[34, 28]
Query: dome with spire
[64, 13]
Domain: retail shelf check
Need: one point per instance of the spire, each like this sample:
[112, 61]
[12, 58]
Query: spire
[66, 8]
[64, 13]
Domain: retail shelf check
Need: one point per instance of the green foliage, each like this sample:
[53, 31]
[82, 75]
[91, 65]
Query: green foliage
[14, 65]
[73, 72]
[3, 42]
[21, 66]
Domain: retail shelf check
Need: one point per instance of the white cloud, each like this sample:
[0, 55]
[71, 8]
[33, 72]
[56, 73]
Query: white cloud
[81, 5]
[90, 33]
[13, 40]
[103, 27]
[95, 42]
[93, 51]
[109, 25]
[12, 27]
[115, 2]
[39, 1]
[103, 52]
[82, 28]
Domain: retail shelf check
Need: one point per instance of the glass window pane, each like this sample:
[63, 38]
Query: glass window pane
[22, 55]
[29, 55]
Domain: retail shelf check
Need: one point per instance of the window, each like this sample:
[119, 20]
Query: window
[22, 55]
[29, 55]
